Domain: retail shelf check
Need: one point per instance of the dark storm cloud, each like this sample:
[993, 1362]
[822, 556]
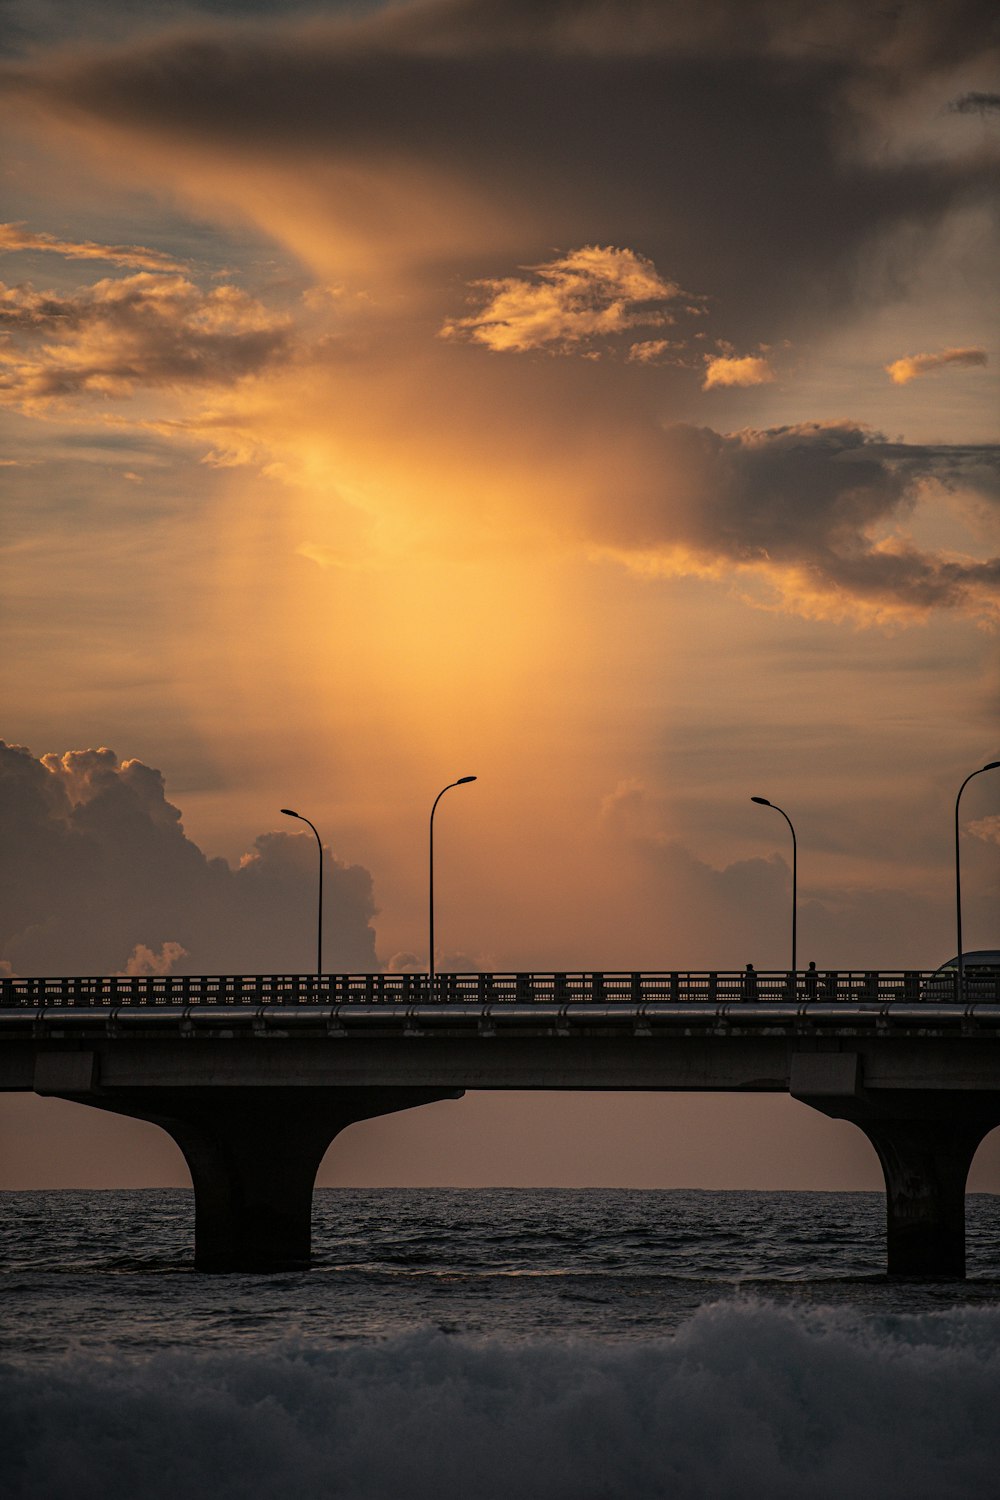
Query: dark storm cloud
[814, 508]
[920, 33]
[977, 103]
[720, 139]
[97, 876]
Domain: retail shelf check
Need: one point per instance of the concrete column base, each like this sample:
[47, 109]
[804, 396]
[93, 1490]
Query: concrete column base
[925, 1140]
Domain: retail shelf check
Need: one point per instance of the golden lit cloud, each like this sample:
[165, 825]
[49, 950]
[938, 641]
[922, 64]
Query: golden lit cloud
[657, 352]
[139, 257]
[809, 517]
[912, 366]
[725, 370]
[116, 336]
[143, 960]
[586, 295]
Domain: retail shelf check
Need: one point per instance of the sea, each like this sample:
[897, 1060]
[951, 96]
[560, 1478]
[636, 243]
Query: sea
[496, 1344]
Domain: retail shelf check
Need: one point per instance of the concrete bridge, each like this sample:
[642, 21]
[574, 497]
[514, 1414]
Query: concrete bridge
[254, 1076]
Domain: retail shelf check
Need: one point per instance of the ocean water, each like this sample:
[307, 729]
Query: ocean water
[558, 1344]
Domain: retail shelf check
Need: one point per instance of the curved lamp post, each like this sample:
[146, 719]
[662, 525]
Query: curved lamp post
[991, 766]
[763, 802]
[430, 885]
[319, 923]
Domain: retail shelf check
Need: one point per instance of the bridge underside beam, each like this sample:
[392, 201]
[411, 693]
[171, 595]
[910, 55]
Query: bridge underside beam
[253, 1155]
[925, 1140]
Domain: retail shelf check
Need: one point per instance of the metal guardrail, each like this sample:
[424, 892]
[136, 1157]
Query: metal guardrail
[722, 987]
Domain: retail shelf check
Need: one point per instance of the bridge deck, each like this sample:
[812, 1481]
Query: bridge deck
[818, 1018]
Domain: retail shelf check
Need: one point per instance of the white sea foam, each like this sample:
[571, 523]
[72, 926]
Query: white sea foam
[747, 1399]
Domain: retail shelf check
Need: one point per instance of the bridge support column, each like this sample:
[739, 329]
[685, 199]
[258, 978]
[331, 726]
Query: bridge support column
[253, 1154]
[925, 1165]
[925, 1140]
[253, 1169]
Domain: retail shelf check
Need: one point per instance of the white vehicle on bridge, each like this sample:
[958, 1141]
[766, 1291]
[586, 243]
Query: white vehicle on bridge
[982, 973]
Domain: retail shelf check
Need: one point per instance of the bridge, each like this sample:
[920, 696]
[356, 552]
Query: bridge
[253, 1076]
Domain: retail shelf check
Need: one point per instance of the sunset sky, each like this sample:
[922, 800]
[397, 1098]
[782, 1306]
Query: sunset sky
[597, 398]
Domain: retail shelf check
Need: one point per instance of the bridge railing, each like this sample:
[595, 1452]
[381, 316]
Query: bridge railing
[676, 987]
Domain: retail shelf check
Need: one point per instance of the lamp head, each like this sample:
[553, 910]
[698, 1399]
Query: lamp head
[288, 812]
[463, 779]
[992, 765]
[762, 800]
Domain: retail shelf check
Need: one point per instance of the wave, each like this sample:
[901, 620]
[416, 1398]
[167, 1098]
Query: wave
[746, 1399]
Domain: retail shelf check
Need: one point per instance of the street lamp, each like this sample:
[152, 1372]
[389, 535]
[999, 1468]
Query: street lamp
[763, 801]
[430, 886]
[319, 922]
[991, 766]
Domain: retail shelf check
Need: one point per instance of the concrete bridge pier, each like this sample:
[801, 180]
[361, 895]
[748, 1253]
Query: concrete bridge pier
[253, 1154]
[926, 1165]
[925, 1140]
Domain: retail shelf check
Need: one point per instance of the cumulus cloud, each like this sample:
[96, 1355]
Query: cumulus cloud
[912, 366]
[98, 877]
[143, 960]
[138, 257]
[589, 294]
[118, 335]
[814, 510]
[405, 963]
[747, 369]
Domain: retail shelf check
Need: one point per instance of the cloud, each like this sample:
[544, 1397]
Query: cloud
[748, 369]
[143, 960]
[98, 877]
[912, 366]
[447, 963]
[17, 237]
[724, 916]
[657, 352]
[813, 511]
[591, 293]
[464, 963]
[141, 331]
[976, 102]
[410, 150]
[987, 829]
[406, 963]
[809, 518]
[423, 135]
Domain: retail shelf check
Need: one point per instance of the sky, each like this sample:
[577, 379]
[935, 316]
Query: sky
[599, 399]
